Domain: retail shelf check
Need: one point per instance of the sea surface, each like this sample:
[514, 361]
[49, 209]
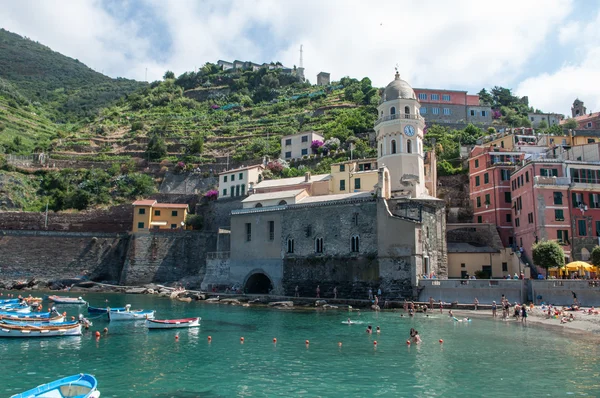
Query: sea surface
[478, 358]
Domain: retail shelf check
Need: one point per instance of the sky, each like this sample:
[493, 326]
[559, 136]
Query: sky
[548, 50]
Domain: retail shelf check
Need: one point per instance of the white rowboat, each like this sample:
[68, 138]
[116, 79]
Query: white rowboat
[39, 331]
[134, 315]
[172, 323]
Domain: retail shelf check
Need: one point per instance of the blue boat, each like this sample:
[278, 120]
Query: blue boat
[9, 301]
[77, 386]
[37, 315]
[97, 310]
[37, 323]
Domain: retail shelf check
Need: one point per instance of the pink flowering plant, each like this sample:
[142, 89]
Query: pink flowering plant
[315, 145]
[212, 194]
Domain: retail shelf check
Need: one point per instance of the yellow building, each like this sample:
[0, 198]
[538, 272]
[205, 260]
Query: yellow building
[353, 176]
[149, 215]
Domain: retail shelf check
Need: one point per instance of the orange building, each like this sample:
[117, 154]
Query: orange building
[150, 215]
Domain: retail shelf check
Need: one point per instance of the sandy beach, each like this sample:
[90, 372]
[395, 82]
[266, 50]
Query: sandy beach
[584, 324]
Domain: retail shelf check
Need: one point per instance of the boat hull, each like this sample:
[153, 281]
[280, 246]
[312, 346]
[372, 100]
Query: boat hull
[36, 323]
[67, 300]
[96, 310]
[77, 386]
[14, 331]
[173, 323]
[44, 317]
[130, 315]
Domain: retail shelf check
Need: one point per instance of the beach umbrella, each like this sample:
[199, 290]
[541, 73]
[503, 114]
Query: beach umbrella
[577, 265]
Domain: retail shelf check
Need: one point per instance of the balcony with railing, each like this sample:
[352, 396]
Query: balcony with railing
[555, 181]
[411, 116]
[585, 179]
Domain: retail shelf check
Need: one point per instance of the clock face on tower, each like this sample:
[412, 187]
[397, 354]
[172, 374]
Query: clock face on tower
[409, 130]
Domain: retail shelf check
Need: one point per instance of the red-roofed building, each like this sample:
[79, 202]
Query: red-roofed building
[589, 121]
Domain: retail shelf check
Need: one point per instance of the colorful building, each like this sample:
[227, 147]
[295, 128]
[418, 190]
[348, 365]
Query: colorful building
[585, 121]
[353, 176]
[296, 146]
[237, 182]
[150, 215]
[490, 190]
[452, 106]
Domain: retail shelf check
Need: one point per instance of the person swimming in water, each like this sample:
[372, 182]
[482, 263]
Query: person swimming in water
[378, 329]
[417, 338]
[369, 329]
[412, 332]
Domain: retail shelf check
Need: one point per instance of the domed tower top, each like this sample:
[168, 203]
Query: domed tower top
[398, 89]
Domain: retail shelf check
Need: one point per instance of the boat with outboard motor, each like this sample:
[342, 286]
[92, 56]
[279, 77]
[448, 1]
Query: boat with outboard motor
[76, 386]
[172, 323]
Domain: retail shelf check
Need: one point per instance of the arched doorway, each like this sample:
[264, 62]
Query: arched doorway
[258, 283]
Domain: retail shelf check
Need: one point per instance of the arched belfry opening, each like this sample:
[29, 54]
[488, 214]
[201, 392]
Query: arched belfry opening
[258, 283]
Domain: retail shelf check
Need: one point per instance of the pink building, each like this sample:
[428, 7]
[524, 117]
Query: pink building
[490, 190]
[452, 106]
[540, 196]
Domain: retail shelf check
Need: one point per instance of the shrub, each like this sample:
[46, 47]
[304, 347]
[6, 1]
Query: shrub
[136, 126]
[213, 194]
[195, 221]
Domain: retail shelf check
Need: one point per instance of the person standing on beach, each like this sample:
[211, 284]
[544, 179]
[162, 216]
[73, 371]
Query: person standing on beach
[430, 303]
[370, 294]
[441, 307]
[575, 298]
[524, 313]
[335, 292]
[476, 303]
[494, 309]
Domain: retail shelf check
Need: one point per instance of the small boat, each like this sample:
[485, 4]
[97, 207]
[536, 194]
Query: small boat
[67, 300]
[9, 301]
[130, 315]
[34, 317]
[39, 331]
[16, 308]
[98, 310]
[172, 323]
[36, 323]
[77, 386]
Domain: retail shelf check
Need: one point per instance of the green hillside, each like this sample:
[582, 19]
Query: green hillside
[198, 117]
[65, 87]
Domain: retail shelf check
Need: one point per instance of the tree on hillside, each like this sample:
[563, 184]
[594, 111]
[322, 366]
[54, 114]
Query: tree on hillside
[543, 125]
[485, 97]
[548, 254]
[169, 75]
[196, 144]
[157, 149]
[595, 256]
[555, 130]
[570, 123]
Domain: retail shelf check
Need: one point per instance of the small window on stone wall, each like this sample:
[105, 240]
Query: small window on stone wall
[355, 244]
[319, 245]
[290, 245]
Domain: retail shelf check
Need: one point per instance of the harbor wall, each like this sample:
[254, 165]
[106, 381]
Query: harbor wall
[50, 255]
[167, 256]
[465, 291]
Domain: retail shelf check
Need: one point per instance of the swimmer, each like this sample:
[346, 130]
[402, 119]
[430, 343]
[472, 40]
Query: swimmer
[417, 338]
[450, 314]
[369, 329]
[412, 332]
[378, 329]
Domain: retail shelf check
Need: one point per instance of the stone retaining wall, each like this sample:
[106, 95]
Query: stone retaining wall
[164, 257]
[47, 255]
[117, 219]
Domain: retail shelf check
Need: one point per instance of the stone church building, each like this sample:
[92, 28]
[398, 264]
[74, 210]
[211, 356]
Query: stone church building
[387, 238]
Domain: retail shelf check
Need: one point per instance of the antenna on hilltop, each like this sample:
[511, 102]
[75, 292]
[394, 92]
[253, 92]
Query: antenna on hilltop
[301, 61]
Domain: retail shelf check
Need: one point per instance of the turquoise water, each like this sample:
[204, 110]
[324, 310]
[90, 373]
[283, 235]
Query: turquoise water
[480, 358]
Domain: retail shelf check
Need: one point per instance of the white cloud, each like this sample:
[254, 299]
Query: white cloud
[555, 92]
[457, 44]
